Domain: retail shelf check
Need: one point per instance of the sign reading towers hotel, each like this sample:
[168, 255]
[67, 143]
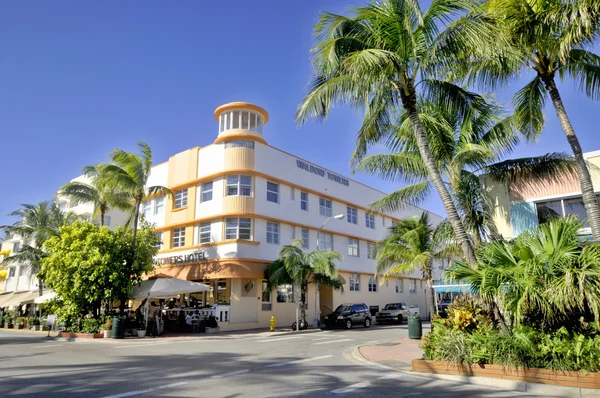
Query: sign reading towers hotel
[321, 172]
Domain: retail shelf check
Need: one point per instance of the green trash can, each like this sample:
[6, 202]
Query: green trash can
[415, 326]
[118, 328]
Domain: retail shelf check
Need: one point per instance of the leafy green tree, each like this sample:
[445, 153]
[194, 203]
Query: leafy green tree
[376, 59]
[547, 39]
[544, 278]
[36, 224]
[412, 245]
[87, 265]
[464, 146]
[104, 196]
[296, 266]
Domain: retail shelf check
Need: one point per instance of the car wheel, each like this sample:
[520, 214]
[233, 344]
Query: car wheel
[367, 323]
[348, 324]
[400, 318]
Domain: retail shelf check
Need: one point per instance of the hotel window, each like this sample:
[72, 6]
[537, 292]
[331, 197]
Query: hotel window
[16, 247]
[207, 191]
[325, 242]
[272, 232]
[304, 201]
[266, 297]
[239, 144]
[412, 286]
[178, 237]
[305, 237]
[371, 250]
[355, 282]
[372, 283]
[240, 120]
[370, 220]
[353, 247]
[159, 236]
[399, 285]
[239, 185]
[204, 232]
[238, 228]
[394, 223]
[285, 293]
[272, 192]
[352, 215]
[293, 193]
[74, 203]
[147, 209]
[325, 207]
[383, 221]
[159, 205]
[11, 272]
[181, 198]
[560, 208]
[107, 221]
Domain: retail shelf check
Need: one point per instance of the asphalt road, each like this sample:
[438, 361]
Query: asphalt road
[311, 364]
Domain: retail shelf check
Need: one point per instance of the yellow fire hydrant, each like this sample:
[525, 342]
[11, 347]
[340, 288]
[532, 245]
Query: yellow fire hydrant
[272, 328]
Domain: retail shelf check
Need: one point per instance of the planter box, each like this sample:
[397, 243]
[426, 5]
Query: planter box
[70, 335]
[36, 327]
[19, 326]
[6, 326]
[213, 330]
[531, 375]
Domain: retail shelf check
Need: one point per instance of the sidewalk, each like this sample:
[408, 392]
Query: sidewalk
[397, 354]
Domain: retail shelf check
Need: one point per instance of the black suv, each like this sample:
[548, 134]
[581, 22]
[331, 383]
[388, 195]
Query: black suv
[348, 315]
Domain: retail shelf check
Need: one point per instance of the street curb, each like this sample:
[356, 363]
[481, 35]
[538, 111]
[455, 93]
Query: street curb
[511, 385]
[276, 334]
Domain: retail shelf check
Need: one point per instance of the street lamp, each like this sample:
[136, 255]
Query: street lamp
[317, 321]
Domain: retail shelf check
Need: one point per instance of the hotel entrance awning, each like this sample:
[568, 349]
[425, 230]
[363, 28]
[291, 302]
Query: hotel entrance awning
[19, 298]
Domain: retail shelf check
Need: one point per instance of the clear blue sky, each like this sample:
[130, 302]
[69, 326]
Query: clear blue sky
[78, 79]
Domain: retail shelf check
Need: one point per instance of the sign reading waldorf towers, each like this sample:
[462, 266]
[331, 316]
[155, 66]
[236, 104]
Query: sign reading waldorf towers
[182, 259]
[321, 172]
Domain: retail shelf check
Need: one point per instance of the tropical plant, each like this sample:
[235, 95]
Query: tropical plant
[545, 278]
[547, 39]
[412, 245]
[35, 225]
[298, 267]
[464, 146]
[374, 61]
[103, 195]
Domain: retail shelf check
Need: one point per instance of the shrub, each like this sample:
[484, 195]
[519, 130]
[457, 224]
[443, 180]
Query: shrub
[90, 325]
[20, 320]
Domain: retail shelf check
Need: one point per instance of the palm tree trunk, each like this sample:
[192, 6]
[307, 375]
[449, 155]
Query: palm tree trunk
[431, 298]
[40, 287]
[136, 218]
[409, 103]
[102, 218]
[585, 180]
[297, 298]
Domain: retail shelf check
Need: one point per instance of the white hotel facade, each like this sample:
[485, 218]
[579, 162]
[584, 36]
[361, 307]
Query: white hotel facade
[238, 201]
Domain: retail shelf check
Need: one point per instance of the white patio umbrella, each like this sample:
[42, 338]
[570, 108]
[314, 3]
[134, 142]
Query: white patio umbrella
[163, 288]
[44, 298]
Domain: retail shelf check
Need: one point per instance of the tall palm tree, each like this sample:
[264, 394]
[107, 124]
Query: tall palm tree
[36, 224]
[294, 265]
[545, 276]
[374, 61]
[547, 39]
[99, 192]
[129, 173]
[412, 245]
[463, 145]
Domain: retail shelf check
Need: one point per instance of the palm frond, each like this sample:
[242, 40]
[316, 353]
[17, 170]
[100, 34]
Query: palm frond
[555, 165]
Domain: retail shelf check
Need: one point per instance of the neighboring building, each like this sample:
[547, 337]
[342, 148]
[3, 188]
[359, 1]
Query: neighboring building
[524, 205]
[238, 201]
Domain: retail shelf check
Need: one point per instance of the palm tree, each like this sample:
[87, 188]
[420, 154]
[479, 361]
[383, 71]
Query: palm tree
[376, 59]
[545, 276]
[294, 265]
[547, 38]
[129, 173]
[412, 244]
[102, 195]
[36, 224]
[463, 145]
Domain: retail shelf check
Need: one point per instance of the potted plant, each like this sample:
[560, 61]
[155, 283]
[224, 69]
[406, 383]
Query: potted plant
[141, 332]
[19, 323]
[8, 322]
[36, 324]
[107, 327]
[211, 325]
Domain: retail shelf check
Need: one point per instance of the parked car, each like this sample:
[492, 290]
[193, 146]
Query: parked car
[393, 312]
[348, 315]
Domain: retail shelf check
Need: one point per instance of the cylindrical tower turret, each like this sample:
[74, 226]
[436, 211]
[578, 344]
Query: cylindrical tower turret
[241, 121]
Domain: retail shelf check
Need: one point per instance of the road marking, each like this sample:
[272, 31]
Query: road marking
[132, 393]
[332, 341]
[278, 339]
[44, 345]
[351, 388]
[276, 365]
[236, 372]
[390, 376]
